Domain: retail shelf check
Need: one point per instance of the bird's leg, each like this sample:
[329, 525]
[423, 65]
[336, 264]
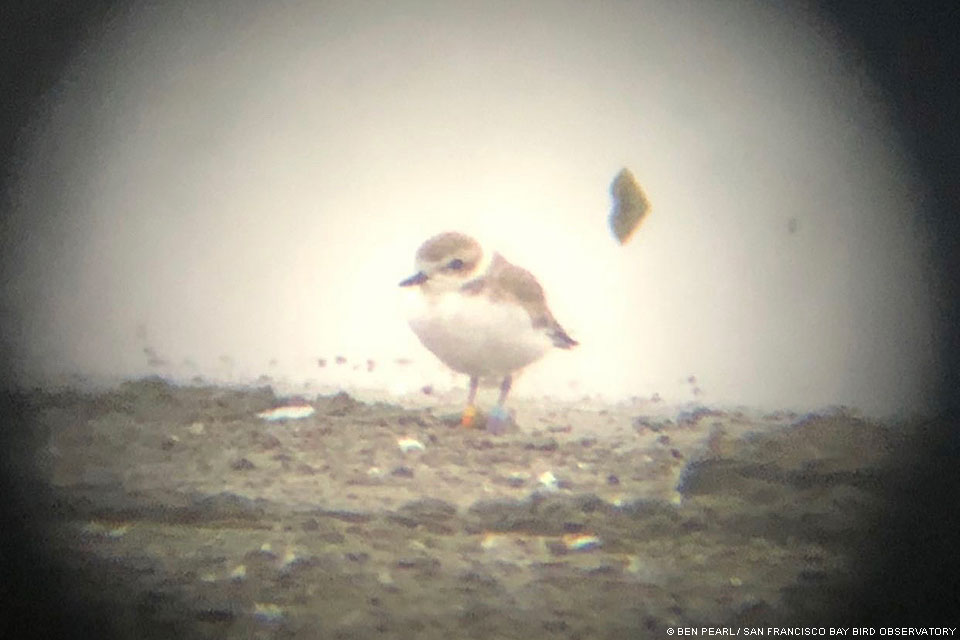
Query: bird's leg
[497, 421]
[470, 412]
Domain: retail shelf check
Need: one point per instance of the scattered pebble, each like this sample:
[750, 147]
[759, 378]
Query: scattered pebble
[518, 478]
[239, 572]
[402, 472]
[242, 464]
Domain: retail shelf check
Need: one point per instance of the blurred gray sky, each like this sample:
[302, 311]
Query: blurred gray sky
[240, 188]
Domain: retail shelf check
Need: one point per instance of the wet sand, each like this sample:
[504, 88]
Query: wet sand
[169, 511]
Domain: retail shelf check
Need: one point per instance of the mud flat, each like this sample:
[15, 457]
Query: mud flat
[167, 511]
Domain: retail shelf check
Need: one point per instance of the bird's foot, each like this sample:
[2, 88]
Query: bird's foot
[498, 420]
[469, 415]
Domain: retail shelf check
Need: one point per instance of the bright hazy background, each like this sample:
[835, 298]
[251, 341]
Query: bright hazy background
[237, 188]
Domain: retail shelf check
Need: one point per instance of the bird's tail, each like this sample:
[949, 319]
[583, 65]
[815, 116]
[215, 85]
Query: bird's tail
[561, 339]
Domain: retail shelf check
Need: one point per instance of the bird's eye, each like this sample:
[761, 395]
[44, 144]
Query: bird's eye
[456, 264]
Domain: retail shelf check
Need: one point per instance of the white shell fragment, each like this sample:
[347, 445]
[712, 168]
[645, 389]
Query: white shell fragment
[580, 542]
[267, 611]
[410, 444]
[491, 540]
[95, 528]
[291, 412]
[548, 480]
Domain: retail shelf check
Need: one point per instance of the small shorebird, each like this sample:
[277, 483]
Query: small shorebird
[481, 316]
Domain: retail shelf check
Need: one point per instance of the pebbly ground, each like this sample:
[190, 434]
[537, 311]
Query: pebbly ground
[178, 512]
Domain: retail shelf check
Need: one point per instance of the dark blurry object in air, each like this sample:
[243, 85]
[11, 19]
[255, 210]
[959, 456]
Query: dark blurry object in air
[630, 206]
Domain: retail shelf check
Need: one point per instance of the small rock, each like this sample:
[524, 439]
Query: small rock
[641, 424]
[546, 444]
[516, 480]
[242, 464]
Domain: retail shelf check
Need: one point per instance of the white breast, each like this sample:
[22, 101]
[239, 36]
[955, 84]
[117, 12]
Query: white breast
[474, 336]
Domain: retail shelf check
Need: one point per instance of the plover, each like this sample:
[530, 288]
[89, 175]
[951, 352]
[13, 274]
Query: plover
[481, 315]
